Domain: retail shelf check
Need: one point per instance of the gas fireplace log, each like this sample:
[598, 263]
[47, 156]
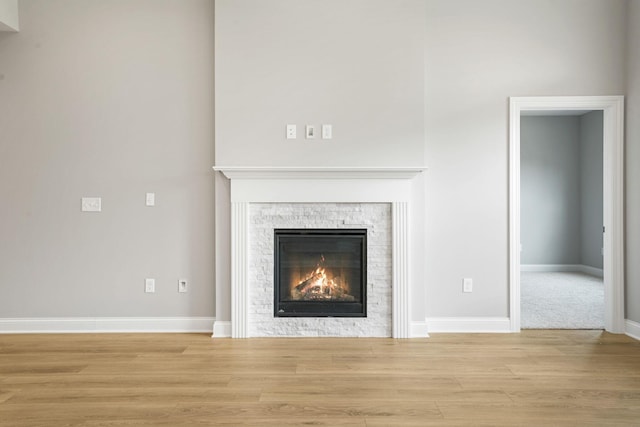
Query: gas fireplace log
[308, 287]
[309, 282]
[302, 285]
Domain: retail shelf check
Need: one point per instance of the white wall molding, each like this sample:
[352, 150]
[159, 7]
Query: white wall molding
[468, 325]
[239, 269]
[613, 196]
[632, 329]
[9, 19]
[418, 329]
[330, 185]
[221, 329]
[598, 272]
[269, 172]
[400, 269]
[105, 324]
[570, 268]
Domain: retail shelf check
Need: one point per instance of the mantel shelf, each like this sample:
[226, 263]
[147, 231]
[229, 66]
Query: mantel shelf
[267, 172]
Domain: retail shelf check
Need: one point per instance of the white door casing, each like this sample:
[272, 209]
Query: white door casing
[613, 196]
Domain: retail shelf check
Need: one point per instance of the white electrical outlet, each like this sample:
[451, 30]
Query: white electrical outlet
[91, 204]
[291, 132]
[150, 199]
[150, 285]
[327, 131]
[183, 285]
[467, 285]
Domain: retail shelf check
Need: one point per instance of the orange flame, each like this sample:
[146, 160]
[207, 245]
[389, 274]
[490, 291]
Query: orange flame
[317, 286]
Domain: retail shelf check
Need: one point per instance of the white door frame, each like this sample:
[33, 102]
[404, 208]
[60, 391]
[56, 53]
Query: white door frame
[613, 197]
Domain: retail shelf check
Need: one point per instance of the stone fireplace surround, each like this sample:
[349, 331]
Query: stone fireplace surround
[272, 185]
[374, 217]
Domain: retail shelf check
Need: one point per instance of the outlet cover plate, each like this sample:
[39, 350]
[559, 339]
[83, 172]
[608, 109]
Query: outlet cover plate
[327, 131]
[291, 131]
[149, 285]
[91, 204]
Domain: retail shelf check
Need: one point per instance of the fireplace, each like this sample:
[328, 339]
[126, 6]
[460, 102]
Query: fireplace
[267, 198]
[320, 273]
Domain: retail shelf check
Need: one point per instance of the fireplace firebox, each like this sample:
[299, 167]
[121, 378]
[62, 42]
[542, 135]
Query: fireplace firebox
[320, 273]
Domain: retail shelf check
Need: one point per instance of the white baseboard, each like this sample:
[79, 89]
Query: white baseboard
[105, 324]
[598, 272]
[570, 268]
[221, 329]
[632, 329]
[418, 330]
[468, 324]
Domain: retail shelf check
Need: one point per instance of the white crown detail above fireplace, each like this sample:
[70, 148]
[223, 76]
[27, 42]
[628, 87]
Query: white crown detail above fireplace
[319, 185]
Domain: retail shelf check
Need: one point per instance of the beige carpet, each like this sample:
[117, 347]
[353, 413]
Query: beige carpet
[561, 301]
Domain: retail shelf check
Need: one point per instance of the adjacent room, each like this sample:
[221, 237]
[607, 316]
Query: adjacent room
[561, 161]
[294, 212]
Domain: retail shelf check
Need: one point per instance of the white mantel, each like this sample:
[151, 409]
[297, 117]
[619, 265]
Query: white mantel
[318, 185]
[263, 172]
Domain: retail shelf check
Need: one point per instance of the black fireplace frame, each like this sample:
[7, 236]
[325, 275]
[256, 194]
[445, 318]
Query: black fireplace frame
[320, 308]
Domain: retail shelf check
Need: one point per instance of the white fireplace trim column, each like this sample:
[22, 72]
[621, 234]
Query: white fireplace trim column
[239, 269]
[319, 185]
[400, 266]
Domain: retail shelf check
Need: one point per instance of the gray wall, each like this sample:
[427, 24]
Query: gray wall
[115, 98]
[550, 190]
[632, 165]
[355, 64]
[561, 189]
[112, 99]
[477, 54]
[591, 200]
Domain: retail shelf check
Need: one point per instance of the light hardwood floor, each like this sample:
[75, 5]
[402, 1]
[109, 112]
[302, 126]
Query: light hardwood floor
[534, 378]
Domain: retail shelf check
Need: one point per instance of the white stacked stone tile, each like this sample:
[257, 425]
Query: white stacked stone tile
[265, 217]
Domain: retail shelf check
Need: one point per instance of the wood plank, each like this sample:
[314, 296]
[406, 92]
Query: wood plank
[533, 378]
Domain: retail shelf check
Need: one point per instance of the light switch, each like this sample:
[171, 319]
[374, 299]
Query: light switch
[310, 132]
[151, 199]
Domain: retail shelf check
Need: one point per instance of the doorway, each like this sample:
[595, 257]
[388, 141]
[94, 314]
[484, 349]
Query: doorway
[561, 285]
[612, 166]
